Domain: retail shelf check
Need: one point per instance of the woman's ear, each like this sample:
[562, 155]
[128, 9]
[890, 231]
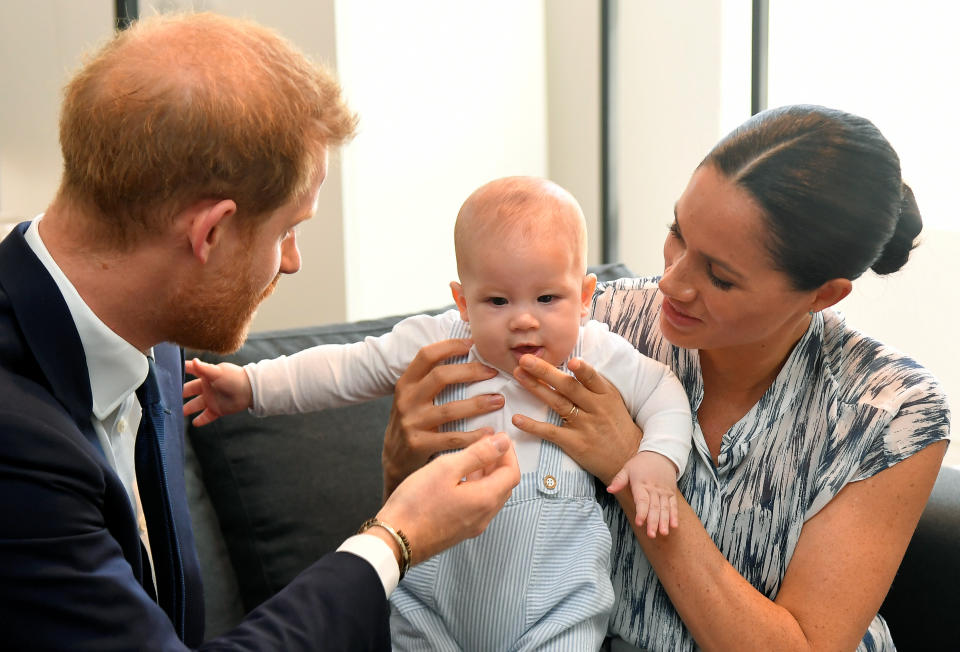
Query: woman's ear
[206, 224]
[460, 299]
[831, 293]
[587, 289]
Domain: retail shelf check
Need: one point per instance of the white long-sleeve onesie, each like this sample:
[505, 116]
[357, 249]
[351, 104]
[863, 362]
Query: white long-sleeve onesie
[333, 375]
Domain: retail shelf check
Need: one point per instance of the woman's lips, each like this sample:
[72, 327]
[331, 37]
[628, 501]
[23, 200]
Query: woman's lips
[518, 351]
[677, 317]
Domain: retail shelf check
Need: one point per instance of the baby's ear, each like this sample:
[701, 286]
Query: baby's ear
[460, 299]
[586, 293]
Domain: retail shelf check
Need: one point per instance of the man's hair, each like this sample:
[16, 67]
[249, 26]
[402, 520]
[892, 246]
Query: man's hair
[180, 109]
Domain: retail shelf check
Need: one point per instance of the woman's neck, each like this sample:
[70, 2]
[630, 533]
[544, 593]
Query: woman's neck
[750, 368]
[735, 379]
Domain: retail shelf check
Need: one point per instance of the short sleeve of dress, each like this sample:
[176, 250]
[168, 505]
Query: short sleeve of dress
[877, 407]
[922, 417]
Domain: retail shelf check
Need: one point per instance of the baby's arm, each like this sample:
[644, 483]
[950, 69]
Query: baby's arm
[320, 377]
[217, 390]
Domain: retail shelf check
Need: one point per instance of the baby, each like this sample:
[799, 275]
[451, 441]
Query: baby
[538, 577]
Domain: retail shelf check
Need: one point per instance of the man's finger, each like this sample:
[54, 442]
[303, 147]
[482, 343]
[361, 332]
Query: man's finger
[479, 455]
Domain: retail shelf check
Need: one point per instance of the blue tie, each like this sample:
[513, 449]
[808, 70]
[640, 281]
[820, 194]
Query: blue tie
[155, 499]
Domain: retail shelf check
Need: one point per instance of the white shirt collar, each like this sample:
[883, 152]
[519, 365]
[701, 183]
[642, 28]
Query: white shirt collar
[115, 366]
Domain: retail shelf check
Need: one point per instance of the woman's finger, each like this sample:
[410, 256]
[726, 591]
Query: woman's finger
[542, 429]
[588, 376]
[437, 415]
[422, 389]
[560, 399]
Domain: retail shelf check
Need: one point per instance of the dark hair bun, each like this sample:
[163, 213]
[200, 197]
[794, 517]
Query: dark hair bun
[897, 250]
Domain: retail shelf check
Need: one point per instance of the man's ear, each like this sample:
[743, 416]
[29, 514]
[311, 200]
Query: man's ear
[586, 293]
[831, 293]
[460, 299]
[207, 222]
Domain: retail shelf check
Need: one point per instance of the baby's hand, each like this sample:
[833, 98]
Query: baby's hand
[218, 389]
[652, 479]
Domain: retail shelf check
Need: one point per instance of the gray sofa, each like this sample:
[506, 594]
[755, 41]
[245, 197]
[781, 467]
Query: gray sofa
[269, 496]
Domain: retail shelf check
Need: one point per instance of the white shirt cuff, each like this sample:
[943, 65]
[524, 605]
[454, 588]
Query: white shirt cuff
[378, 554]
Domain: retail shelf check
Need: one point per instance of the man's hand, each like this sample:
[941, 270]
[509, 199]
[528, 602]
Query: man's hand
[652, 479]
[411, 438]
[436, 507]
[217, 390]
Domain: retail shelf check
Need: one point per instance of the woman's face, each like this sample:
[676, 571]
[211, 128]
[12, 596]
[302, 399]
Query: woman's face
[719, 285]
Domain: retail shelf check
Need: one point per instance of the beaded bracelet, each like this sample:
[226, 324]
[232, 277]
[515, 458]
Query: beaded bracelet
[406, 552]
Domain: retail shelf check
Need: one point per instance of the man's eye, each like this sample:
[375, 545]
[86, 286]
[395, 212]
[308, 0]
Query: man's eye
[545, 298]
[497, 301]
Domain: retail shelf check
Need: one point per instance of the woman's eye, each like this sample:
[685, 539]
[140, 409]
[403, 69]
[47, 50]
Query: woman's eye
[718, 282]
[497, 301]
[674, 229]
[545, 298]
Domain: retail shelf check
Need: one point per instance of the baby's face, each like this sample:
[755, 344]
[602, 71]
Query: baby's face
[523, 298]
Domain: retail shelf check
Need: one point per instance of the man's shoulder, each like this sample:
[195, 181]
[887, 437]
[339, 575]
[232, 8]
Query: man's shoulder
[26, 401]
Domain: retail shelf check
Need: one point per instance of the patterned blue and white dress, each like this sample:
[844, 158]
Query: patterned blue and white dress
[843, 408]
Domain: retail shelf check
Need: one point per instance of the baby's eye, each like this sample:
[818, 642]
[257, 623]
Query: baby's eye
[546, 298]
[497, 301]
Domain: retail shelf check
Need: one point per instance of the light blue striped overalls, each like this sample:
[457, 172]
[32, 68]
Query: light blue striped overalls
[537, 578]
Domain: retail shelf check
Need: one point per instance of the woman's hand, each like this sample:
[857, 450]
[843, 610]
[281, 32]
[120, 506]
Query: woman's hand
[599, 433]
[411, 437]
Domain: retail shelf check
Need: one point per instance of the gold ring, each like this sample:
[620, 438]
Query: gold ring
[574, 411]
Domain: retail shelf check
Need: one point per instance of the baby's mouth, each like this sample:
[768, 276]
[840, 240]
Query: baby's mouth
[526, 348]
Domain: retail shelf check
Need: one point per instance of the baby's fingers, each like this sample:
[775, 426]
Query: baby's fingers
[654, 517]
[192, 388]
[195, 404]
[620, 480]
[641, 501]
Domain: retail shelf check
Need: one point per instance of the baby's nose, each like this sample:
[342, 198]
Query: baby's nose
[523, 321]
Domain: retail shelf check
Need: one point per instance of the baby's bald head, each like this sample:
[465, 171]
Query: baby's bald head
[520, 209]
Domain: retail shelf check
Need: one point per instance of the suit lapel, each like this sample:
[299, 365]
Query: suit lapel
[47, 328]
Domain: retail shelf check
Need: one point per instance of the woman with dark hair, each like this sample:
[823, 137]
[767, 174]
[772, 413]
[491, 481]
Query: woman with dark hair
[815, 448]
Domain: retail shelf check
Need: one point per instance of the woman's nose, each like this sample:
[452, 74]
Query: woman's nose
[674, 282]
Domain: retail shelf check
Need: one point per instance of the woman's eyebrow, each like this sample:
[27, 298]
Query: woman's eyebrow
[713, 260]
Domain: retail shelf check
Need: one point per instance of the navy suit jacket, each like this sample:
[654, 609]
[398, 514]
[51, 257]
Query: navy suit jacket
[71, 564]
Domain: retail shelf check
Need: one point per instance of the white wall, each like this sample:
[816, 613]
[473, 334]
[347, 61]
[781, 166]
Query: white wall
[573, 107]
[451, 95]
[669, 111]
[40, 44]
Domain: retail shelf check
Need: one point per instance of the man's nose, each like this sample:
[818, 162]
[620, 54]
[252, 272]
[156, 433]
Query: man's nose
[290, 255]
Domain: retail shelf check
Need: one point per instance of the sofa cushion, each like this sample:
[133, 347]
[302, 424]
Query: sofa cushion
[287, 489]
